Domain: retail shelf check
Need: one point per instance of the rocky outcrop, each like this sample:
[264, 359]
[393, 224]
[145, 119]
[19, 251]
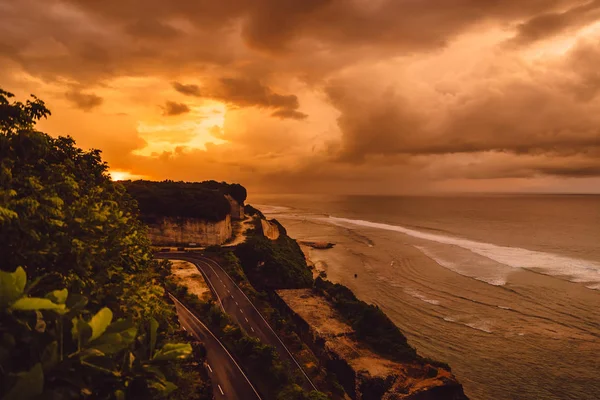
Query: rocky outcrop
[189, 232]
[270, 229]
[363, 374]
[237, 209]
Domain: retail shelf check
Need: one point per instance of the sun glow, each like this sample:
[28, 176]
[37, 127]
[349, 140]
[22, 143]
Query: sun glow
[191, 131]
[123, 175]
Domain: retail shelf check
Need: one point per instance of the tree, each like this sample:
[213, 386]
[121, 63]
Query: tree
[66, 225]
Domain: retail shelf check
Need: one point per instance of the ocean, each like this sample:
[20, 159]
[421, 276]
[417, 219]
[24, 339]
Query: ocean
[505, 288]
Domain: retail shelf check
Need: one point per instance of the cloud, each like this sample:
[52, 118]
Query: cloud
[289, 113]
[84, 101]
[188, 90]
[246, 92]
[549, 24]
[399, 92]
[172, 108]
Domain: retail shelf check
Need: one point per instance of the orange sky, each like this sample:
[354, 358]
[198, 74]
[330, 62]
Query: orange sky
[325, 96]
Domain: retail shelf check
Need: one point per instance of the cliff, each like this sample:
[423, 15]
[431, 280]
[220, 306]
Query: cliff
[182, 213]
[269, 229]
[169, 231]
[237, 209]
[364, 374]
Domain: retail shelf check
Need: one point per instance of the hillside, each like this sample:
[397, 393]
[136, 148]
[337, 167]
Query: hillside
[83, 313]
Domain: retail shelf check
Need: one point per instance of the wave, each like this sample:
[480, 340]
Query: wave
[418, 295]
[482, 326]
[492, 275]
[579, 270]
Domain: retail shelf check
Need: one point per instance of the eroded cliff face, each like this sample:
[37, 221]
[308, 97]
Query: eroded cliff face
[363, 374]
[270, 229]
[185, 231]
[237, 209]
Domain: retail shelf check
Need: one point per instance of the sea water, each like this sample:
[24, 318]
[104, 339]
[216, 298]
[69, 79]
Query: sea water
[506, 289]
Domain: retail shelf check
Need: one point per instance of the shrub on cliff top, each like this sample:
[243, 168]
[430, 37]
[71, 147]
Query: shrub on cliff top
[368, 321]
[274, 264]
[178, 200]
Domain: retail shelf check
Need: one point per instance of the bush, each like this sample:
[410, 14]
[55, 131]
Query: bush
[278, 264]
[72, 228]
[368, 321]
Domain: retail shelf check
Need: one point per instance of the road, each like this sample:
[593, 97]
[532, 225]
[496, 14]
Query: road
[228, 379]
[239, 307]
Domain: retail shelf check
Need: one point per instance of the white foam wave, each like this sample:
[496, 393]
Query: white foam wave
[418, 295]
[579, 270]
[493, 276]
[269, 209]
[483, 326]
[480, 326]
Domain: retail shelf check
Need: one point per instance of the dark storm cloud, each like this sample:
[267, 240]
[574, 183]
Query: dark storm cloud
[172, 108]
[102, 38]
[288, 113]
[188, 90]
[549, 24]
[84, 101]
[278, 46]
[544, 115]
[249, 92]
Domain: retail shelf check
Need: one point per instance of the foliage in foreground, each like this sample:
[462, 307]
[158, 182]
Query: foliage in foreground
[62, 353]
[67, 226]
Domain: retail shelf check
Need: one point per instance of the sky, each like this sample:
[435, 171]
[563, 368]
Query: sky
[320, 96]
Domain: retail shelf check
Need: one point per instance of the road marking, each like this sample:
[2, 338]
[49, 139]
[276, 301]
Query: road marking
[246, 319]
[204, 259]
[252, 329]
[242, 311]
[221, 390]
[209, 368]
[218, 341]
[236, 303]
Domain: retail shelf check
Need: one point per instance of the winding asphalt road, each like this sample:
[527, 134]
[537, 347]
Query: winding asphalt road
[238, 306]
[228, 379]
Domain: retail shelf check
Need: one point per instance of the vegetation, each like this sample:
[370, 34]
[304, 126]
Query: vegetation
[284, 326]
[177, 199]
[261, 361]
[249, 210]
[370, 323]
[82, 312]
[203, 200]
[274, 264]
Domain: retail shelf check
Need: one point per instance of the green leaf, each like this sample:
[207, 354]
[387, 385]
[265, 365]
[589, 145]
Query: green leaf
[100, 322]
[173, 351]
[118, 336]
[29, 384]
[36, 303]
[20, 278]
[153, 330]
[12, 285]
[58, 296]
